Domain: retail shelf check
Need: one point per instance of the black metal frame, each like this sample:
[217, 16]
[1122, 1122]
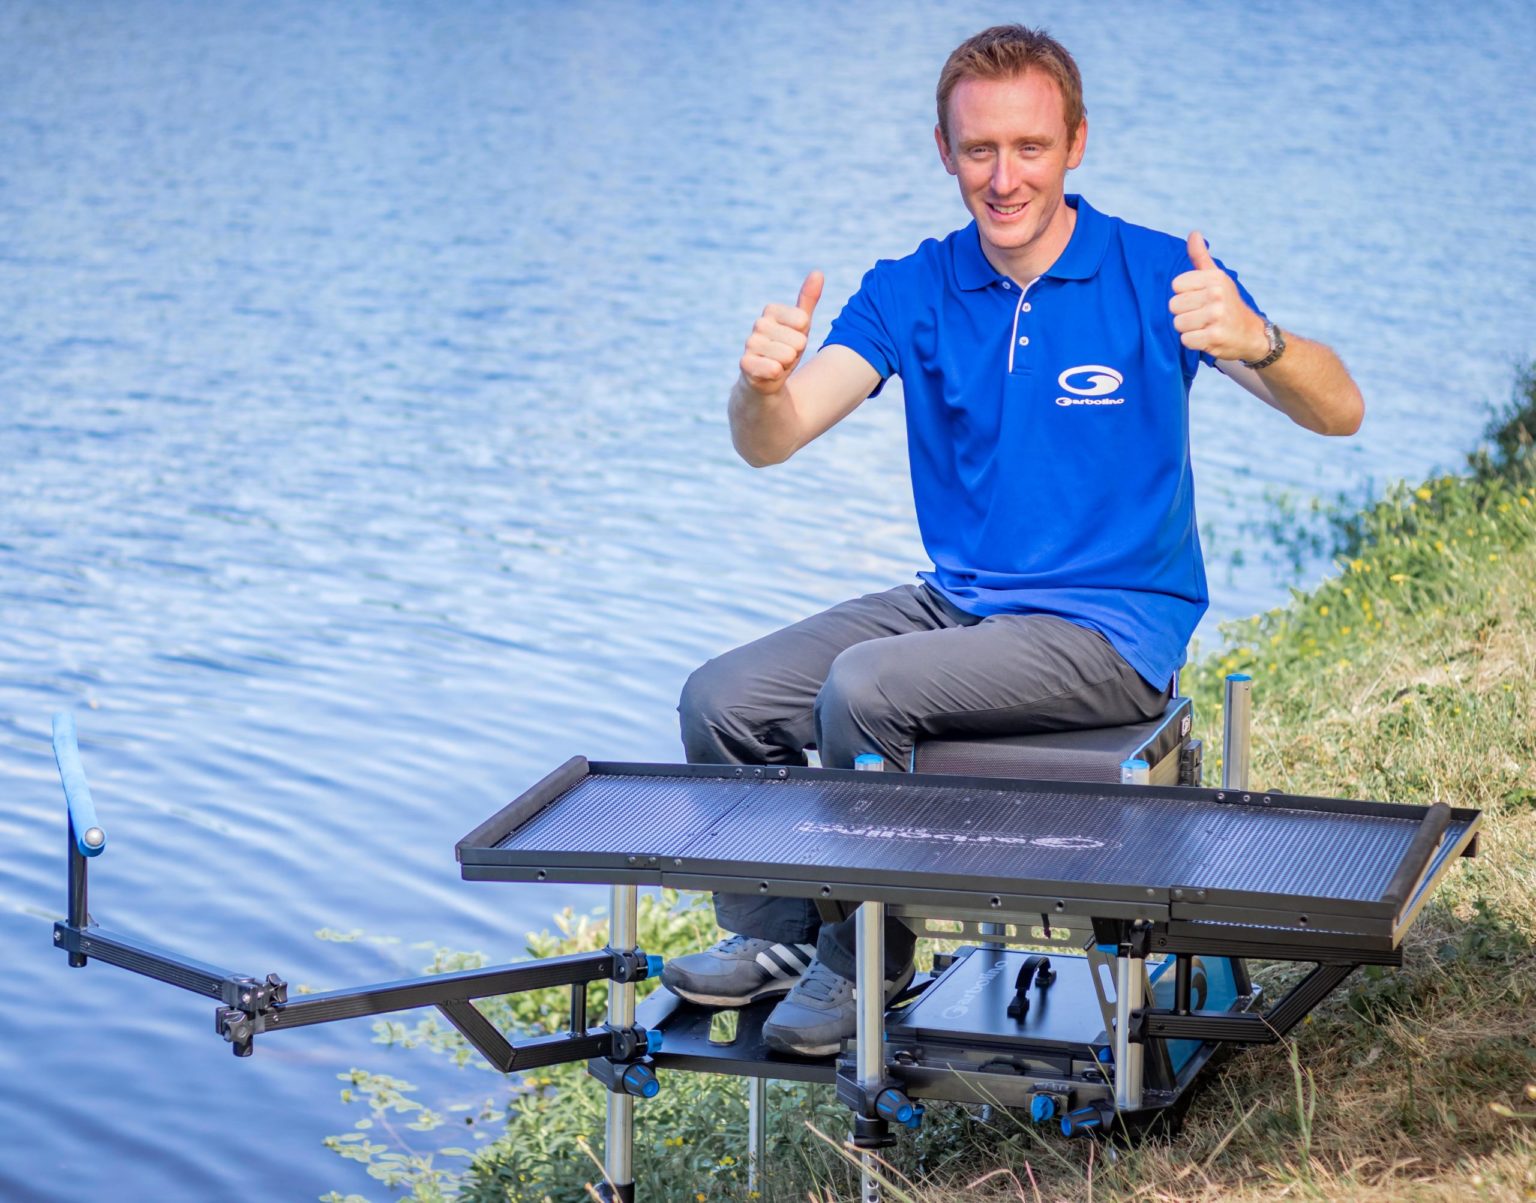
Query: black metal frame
[252, 1006]
[1334, 934]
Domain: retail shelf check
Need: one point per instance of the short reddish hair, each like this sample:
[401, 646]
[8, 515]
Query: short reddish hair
[1006, 52]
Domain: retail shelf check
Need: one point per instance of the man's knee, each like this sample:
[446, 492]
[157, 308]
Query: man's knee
[705, 706]
[857, 698]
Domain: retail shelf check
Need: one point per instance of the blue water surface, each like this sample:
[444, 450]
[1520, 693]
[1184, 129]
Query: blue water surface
[364, 453]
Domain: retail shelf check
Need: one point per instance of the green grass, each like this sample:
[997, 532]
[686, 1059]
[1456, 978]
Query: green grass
[1410, 676]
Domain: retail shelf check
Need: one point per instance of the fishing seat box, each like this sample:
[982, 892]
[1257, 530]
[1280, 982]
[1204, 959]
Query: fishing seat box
[1096, 754]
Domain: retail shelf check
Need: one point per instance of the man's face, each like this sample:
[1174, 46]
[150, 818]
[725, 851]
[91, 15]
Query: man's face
[1010, 149]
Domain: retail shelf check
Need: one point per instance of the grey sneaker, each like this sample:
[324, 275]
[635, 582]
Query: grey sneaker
[821, 1012]
[736, 971]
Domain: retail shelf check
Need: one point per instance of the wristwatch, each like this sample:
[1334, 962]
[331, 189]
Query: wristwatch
[1276, 346]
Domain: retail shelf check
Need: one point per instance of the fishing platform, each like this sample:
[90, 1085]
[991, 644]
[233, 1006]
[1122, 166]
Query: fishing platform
[1106, 905]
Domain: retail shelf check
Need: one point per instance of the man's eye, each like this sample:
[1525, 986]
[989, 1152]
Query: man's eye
[979, 152]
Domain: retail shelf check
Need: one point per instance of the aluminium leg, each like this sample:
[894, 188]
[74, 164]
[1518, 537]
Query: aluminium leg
[1130, 982]
[1236, 762]
[1237, 720]
[870, 1033]
[619, 1146]
[757, 1133]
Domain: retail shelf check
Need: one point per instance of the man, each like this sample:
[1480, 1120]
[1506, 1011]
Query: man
[1046, 352]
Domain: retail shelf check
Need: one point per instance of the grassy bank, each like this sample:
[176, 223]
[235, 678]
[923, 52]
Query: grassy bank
[1409, 676]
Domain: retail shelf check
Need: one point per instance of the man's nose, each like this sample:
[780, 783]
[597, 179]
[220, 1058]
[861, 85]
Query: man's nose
[1005, 176]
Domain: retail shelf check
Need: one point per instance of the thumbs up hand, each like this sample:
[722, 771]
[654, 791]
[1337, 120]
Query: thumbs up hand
[1210, 315]
[779, 338]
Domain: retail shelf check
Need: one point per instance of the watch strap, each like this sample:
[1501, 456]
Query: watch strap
[1276, 347]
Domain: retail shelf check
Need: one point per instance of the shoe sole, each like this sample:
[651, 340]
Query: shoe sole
[812, 1050]
[727, 1000]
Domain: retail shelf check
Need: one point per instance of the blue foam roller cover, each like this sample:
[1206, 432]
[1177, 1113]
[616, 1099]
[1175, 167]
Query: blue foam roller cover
[90, 839]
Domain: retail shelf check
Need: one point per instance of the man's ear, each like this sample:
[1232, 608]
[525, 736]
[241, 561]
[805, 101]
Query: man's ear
[1079, 145]
[943, 145]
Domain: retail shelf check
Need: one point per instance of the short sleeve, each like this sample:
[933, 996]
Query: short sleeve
[1193, 359]
[864, 327]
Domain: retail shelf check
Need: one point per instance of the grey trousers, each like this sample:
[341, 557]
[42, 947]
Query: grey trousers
[877, 674]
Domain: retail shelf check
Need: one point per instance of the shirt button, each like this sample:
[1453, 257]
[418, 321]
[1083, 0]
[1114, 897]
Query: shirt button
[1026, 306]
[1006, 284]
[1024, 342]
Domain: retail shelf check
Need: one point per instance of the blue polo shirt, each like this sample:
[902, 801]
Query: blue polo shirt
[1048, 429]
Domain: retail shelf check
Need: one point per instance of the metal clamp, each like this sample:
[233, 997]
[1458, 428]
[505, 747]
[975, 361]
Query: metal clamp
[240, 1023]
[876, 1108]
[632, 965]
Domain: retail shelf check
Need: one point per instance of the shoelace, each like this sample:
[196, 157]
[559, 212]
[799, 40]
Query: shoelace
[821, 983]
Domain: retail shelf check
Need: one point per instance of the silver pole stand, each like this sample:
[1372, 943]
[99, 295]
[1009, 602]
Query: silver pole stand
[619, 1148]
[1235, 742]
[1130, 978]
[870, 1034]
[1236, 763]
[757, 1133]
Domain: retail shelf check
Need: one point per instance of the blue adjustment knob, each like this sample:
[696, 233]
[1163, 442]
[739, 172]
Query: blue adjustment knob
[1042, 1108]
[917, 1117]
[639, 1080]
[654, 1038]
[893, 1105]
[1084, 1119]
[653, 966]
[1105, 1055]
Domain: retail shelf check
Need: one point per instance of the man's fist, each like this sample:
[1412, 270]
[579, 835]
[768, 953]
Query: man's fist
[779, 338]
[1209, 314]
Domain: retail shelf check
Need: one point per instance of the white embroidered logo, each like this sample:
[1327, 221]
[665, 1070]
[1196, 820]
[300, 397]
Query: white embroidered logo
[1094, 381]
[1100, 382]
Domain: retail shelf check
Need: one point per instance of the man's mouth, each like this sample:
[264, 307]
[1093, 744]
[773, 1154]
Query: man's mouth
[1004, 210]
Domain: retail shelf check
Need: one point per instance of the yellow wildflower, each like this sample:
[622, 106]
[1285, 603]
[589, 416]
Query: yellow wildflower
[1423, 494]
[1398, 577]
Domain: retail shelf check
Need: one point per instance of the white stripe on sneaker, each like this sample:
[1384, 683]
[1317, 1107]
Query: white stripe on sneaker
[773, 967]
[790, 957]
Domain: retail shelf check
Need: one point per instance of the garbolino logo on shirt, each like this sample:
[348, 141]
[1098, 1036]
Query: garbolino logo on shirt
[1092, 382]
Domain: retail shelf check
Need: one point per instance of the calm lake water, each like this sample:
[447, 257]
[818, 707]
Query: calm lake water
[364, 457]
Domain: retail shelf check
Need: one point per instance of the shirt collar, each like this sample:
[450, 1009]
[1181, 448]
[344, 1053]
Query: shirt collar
[1078, 261]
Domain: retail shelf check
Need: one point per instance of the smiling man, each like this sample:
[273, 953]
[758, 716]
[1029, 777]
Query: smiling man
[1046, 352]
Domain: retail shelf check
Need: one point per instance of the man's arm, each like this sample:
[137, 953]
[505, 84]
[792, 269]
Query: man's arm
[1309, 383]
[775, 410]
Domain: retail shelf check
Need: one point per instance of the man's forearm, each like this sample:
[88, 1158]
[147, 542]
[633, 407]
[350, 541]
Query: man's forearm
[764, 429]
[1311, 385]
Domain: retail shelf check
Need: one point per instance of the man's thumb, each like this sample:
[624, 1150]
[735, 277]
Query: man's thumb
[810, 292]
[1199, 253]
